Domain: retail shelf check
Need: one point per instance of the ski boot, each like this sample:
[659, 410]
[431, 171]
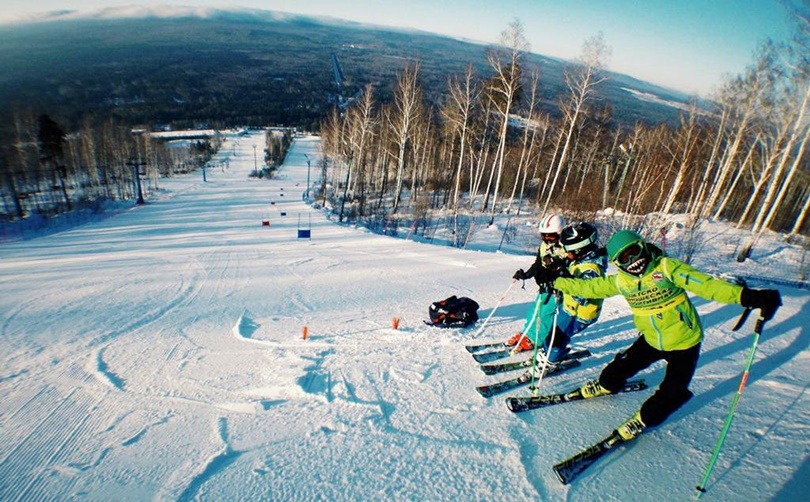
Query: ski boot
[515, 339]
[593, 388]
[632, 428]
[523, 345]
[557, 354]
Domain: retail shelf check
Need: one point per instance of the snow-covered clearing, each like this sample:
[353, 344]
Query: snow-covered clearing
[158, 355]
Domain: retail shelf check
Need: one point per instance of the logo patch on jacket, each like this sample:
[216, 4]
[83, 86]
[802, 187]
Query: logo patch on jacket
[657, 276]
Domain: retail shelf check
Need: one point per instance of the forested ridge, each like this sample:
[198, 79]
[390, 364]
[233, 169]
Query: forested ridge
[490, 148]
[473, 129]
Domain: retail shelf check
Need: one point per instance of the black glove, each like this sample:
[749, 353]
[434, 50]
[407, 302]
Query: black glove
[554, 262]
[521, 275]
[766, 300]
[545, 276]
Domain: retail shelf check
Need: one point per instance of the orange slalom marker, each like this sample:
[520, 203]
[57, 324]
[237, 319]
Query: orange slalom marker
[395, 323]
[305, 333]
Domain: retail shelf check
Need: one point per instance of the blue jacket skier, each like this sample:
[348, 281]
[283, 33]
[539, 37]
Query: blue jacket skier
[550, 255]
[586, 261]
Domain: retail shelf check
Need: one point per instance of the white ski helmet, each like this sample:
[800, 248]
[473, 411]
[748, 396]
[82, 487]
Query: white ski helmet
[552, 224]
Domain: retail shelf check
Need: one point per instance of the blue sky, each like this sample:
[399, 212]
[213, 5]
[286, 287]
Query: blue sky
[689, 45]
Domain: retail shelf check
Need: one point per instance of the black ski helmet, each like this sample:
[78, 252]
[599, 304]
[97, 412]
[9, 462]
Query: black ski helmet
[578, 238]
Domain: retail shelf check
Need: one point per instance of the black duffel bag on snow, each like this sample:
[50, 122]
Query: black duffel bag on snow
[453, 312]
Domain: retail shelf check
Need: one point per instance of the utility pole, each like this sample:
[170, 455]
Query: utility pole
[136, 173]
[136, 166]
[255, 162]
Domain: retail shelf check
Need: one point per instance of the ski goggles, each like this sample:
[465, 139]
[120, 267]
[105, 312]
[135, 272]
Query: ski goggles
[550, 237]
[630, 254]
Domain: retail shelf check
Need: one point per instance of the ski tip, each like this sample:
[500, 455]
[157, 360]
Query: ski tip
[512, 405]
[483, 392]
[560, 477]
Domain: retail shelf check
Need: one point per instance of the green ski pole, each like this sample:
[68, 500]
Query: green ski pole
[535, 385]
[757, 332]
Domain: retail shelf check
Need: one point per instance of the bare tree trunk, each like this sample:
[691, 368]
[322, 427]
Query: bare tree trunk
[480, 160]
[746, 162]
[532, 149]
[802, 216]
[753, 88]
[697, 200]
[688, 140]
[757, 188]
[581, 85]
[503, 92]
[524, 151]
[464, 96]
[801, 130]
[549, 170]
[367, 122]
[407, 100]
[629, 154]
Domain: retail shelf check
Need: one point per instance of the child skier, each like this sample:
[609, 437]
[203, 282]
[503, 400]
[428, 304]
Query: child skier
[655, 286]
[586, 261]
[550, 254]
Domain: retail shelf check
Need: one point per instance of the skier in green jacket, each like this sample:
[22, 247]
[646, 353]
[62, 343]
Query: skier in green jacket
[655, 287]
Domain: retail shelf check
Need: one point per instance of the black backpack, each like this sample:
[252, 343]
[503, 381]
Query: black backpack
[453, 312]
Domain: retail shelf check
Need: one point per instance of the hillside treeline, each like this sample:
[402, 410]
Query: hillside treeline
[488, 149]
[47, 171]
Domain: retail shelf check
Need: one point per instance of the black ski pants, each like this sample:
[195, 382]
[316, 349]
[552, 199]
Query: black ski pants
[674, 389]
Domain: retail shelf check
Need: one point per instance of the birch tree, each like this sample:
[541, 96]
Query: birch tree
[687, 140]
[503, 91]
[581, 81]
[463, 98]
[801, 13]
[746, 94]
[407, 100]
[796, 98]
[366, 122]
[529, 134]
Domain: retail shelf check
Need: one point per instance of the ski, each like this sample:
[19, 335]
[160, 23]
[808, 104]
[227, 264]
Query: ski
[486, 357]
[524, 378]
[472, 349]
[452, 325]
[492, 369]
[518, 404]
[572, 467]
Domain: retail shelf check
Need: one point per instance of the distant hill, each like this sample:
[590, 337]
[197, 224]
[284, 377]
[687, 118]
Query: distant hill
[220, 68]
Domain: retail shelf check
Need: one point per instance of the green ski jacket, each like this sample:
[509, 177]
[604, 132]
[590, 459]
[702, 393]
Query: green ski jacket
[661, 308]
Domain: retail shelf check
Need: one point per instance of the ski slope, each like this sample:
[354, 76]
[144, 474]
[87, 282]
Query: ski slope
[159, 355]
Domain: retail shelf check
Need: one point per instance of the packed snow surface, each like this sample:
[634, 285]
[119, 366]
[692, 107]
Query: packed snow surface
[159, 355]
